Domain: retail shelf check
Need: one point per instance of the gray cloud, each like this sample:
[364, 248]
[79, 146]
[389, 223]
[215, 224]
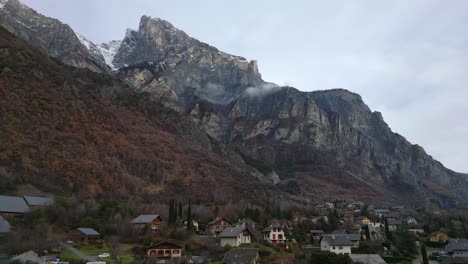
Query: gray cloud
[408, 59]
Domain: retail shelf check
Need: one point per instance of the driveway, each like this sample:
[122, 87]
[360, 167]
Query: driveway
[77, 252]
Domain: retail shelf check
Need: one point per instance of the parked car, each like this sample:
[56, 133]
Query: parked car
[55, 261]
[104, 255]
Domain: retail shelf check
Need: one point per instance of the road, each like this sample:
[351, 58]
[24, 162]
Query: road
[77, 252]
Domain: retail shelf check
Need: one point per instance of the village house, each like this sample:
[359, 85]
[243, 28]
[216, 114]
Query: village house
[153, 221]
[285, 224]
[11, 206]
[5, 226]
[439, 236]
[234, 236]
[457, 247]
[410, 220]
[274, 234]
[362, 220]
[394, 225]
[85, 235]
[416, 229]
[36, 201]
[164, 251]
[217, 226]
[374, 233]
[336, 244]
[354, 238]
[242, 256]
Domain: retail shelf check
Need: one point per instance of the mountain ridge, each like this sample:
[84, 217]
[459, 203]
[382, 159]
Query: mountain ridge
[334, 131]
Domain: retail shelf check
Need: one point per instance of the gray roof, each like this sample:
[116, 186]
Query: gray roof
[217, 219]
[38, 201]
[144, 219]
[334, 240]
[240, 256]
[13, 204]
[394, 222]
[367, 258]
[316, 231]
[457, 244]
[351, 237]
[88, 231]
[340, 231]
[5, 226]
[268, 229]
[233, 231]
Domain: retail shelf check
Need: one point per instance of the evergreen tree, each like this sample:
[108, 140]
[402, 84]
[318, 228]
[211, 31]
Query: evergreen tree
[180, 211]
[189, 217]
[424, 254]
[169, 219]
[387, 231]
[366, 228]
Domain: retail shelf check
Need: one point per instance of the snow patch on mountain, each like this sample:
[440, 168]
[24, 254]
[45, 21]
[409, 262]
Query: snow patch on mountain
[3, 3]
[108, 51]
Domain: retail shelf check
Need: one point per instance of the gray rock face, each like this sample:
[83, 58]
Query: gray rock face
[280, 126]
[54, 37]
[294, 126]
[190, 68]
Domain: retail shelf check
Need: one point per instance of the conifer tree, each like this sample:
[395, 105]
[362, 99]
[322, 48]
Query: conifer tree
[180, 211]
[189, 217]
[424, 254]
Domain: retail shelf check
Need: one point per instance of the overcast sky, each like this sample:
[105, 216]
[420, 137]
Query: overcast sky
[407, 59]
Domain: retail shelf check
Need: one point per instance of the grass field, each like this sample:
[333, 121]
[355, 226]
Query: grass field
[126, 254]
[68, 256]
[92, 250]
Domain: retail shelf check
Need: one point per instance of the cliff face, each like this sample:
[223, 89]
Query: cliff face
[178, 69]
[52, 36]
[291, 132]
[312, 145]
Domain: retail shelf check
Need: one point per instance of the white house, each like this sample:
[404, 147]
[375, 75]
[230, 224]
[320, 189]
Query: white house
[410, 221]
[274, 234]
[235, 236]
[337, 244]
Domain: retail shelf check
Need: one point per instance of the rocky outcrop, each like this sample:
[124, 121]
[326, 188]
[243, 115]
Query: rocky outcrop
[188, 67]
[52, 36]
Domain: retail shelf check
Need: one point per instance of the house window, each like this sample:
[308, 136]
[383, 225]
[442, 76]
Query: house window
[175, 251]
[280, 236]
[333, 247]
[274, 236]
[340, 248]
[167, 252]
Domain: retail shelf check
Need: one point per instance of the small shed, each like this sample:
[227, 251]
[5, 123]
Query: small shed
[86, 235]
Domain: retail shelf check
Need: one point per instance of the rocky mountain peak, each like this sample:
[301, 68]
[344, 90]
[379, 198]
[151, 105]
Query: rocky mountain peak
[52, 36]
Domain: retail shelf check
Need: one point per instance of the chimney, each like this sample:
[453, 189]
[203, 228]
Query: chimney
[333, 237]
